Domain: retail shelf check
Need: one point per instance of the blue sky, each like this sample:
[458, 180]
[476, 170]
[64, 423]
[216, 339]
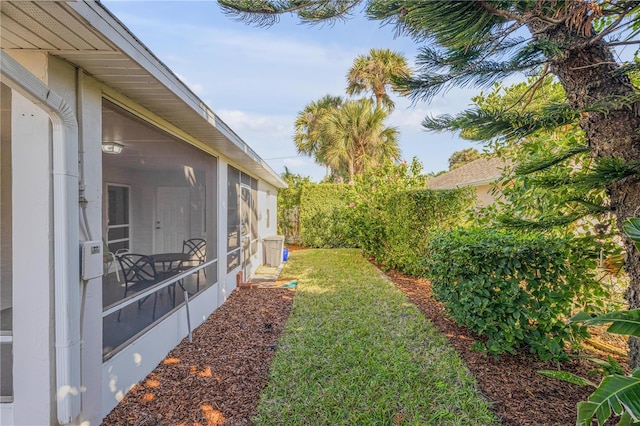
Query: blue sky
[257, 79]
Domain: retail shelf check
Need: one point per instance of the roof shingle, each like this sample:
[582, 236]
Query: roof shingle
[481, 171]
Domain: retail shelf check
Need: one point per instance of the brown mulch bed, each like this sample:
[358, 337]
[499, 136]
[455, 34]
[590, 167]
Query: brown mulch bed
[520, 395]
[217, 379]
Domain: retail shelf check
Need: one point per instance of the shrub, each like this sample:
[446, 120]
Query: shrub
[512, 288]
[393, 214]
[289, 206]
[324, 216]
[413, 216]
[386, 211]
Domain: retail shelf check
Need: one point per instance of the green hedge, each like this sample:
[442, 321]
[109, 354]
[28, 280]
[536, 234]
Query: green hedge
[513, 289]
[410, 218]
[388, 223]
[324, 216]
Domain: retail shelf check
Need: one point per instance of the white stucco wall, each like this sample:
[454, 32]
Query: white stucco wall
[268, 202]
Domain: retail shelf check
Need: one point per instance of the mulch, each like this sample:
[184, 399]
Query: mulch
[519, 394]
[217, 379]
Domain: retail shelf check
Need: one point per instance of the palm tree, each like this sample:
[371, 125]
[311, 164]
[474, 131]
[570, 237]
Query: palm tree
[308, 138]
[375, 73]
[357, 137]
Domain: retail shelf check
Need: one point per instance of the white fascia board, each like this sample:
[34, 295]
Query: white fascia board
[232, 136]
[124, 40]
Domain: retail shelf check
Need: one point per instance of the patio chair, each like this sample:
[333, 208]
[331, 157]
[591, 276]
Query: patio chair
[108, 259]
[197, 249]
[139, 273]
[116, 254]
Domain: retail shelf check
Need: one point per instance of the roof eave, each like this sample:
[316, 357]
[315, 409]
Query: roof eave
[104, 21]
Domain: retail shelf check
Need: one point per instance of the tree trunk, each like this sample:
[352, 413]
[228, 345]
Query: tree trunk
[588, 75]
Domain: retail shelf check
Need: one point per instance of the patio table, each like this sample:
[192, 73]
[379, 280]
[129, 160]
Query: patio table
[170, 261]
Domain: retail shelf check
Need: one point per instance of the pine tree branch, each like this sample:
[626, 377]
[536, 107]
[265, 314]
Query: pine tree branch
[623, 43]
[500, 12]
[545, 163]
[542, 224]
[532, 89]
[610, 28]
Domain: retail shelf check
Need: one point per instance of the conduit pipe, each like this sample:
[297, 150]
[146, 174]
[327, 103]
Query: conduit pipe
[65, 232]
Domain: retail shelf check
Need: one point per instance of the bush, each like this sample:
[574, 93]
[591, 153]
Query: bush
[324, 216]
[393, 214]
[289, 206]
[386, 212]
[513, 289]
[412, 217]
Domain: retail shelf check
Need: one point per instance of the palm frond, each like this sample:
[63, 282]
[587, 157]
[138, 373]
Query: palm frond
[615, 394]
[622, 322]
[631, 227]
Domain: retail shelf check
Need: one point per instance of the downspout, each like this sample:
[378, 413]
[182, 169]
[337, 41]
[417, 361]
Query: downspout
[65, 232]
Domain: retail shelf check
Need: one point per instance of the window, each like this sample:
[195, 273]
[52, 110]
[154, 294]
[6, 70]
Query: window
[233, 218]
[242, 219]
[118, 226]
[6, 251]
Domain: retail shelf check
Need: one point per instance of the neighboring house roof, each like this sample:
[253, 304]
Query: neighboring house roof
[87, 35]
[478, 172]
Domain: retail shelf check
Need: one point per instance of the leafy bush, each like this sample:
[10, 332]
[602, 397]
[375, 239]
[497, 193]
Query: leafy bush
[385, 211]
[393, 214]
[512, 288]
[289, 206]
[414, 217]
[324, 216]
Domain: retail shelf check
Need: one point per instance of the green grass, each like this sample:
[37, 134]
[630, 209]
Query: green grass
[356, 352]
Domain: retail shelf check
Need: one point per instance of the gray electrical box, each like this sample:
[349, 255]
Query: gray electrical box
[91, 259]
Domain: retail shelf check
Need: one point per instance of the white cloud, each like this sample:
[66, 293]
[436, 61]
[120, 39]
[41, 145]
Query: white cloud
[410, 118]
[295, 162]
[269, 126]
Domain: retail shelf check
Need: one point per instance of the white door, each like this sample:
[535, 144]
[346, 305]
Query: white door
[173, 219]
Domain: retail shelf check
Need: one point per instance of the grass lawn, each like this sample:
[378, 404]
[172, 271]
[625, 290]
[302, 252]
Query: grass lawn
[355, 351]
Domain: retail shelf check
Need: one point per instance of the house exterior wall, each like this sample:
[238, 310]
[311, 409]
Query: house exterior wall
[84, 95]
[268, 199]
[34, 345]
[484, 196]
[91, 132]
